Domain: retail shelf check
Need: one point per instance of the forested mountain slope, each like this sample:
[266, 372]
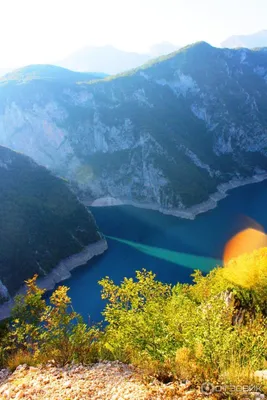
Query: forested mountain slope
[41, 221]
[165, 134]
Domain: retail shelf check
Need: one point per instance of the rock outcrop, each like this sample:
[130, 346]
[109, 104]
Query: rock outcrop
[167, 134]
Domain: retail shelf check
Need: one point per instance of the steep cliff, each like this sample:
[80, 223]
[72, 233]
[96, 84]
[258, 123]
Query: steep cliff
[165, 134]
[41, 221]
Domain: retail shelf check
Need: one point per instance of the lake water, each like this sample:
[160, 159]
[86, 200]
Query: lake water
[205, 236]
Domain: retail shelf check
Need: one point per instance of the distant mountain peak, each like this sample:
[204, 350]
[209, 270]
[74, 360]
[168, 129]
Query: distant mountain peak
[250, 41]
[199, 45]
[111, 60]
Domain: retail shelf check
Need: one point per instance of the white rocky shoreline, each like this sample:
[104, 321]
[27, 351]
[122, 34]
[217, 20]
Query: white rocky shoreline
[187, 213]
[60, 273]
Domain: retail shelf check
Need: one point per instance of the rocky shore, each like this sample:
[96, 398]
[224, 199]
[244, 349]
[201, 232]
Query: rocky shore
[187, 213]
[61, 272]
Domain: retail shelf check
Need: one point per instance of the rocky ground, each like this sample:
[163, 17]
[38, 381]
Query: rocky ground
[102, 381]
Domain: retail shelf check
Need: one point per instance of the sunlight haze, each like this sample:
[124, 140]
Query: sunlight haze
[47, 31]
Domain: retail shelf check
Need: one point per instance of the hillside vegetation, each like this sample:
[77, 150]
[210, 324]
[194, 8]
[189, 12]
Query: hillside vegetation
[42, 221]
[213, 330]
[49, 73]
[197, 115]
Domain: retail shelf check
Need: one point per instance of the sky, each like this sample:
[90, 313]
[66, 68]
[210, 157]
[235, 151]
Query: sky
[46, 31]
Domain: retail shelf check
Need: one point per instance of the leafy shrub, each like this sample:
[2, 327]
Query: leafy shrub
[213, 330]
[41, 332]
[191, 328]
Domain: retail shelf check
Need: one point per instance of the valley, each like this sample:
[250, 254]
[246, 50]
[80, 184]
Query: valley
[204, 237]
[173, 135]
[133, 192]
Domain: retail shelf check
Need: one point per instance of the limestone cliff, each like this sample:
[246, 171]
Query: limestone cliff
[165, 134]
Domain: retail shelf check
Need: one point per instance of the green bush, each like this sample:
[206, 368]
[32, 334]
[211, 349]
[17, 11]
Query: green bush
[41, 332]
[214, 329]
[191, 329]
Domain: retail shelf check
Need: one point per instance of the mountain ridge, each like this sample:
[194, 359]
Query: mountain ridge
[110, 59]
[197, 115]
[49, 72]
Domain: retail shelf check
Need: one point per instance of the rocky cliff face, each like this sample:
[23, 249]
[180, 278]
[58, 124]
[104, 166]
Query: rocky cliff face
[166, 134]
[41, 222]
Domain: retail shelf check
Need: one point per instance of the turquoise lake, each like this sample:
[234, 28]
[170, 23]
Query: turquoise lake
[205, 236]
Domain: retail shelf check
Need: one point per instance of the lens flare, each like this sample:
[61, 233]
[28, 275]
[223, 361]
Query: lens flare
[205, 264]
[246, 241]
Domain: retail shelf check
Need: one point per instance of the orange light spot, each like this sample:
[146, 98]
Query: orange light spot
[245, 241]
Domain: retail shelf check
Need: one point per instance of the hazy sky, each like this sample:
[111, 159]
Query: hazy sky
[44, 31]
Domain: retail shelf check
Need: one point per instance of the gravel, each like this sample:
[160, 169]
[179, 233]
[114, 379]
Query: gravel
[101, 381]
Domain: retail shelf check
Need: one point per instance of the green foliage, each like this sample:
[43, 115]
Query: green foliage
[49, 73]
[136, 317]
[249, 271]
[26, 315]
[213, 330]
[191, 329]
[42, 221]
[39, 332]
[3, 340]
